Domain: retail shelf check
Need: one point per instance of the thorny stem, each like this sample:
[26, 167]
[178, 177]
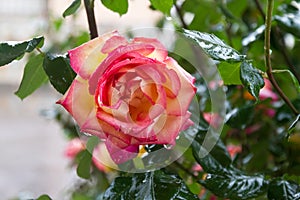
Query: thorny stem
[268, 57]
[89, 8]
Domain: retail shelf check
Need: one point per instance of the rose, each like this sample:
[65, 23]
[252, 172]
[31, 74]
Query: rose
[128, 93]
[102, 159]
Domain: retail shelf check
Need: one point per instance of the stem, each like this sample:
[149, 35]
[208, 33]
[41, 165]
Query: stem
[261, 11]
[180, 15]
[279, 40]
[89, 8]
[284, 52]
[268, 57]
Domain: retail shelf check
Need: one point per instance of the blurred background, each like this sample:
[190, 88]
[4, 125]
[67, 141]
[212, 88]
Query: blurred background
[32, 160]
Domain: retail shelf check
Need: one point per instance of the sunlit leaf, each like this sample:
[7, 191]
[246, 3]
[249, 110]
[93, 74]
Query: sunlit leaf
[214, 47]
[34, 76]
[119, 6]
[11, 51]
[150, 185]
[44, 197]
[283, 190]
[72, 8]
[59, 71]
[162, 5]
[230, 73]
[251, 79]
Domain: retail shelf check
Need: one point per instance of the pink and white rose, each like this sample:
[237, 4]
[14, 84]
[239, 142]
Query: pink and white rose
[128, 93]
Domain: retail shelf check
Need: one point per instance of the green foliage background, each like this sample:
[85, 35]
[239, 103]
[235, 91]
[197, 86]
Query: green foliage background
[268, 165]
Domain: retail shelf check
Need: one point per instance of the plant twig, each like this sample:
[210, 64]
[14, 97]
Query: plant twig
[268, 57]
[280, 42]
[180, 15]
[89, 8]
[260, 9]
[282, 46]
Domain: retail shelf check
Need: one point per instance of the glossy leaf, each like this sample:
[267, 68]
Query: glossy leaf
[253, 36]
[34, 76]
[59, 71]
[120, 6]
[12, 51]
[293, 124]
[235, 185]
[150, 185]
[216, 159]
[214, 47]
[44, 197]
[283, 190]
[290, 22]
[162, 5]
[230, 73]
[72, 8]
[222, 178]
[240, 117]
[251, 79]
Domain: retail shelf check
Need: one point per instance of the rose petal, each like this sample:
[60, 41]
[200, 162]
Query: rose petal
[77, 101]
[160, 52]
[180, 104]
[102, 159]
[115, 57]
[85, 58]
[119, 151]
[112, 43]
[172, 127]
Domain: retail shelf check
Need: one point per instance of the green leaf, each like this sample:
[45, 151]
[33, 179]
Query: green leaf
[283, 190]
[84, 166]
[240, 117]
[162, 5]
[293, 125]
[222, 178]
[92, 143]
[119, 6]
[59, 71]
[289, 22]
[72, 8]
[150, 185]
[294, 79]
[235, 185]
[251, 79]
[214, 47]
[216, 158]
[10, 52]
[253, 36]
[230, 73]
[34, 76]
[44, 197]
